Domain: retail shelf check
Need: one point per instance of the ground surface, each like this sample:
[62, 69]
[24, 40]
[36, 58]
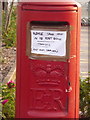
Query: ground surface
[8, 60]
[84, 52]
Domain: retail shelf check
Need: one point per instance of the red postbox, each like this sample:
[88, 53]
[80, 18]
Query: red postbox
[48, 59]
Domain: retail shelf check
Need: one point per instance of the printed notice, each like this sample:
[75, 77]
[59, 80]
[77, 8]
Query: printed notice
[48, 42]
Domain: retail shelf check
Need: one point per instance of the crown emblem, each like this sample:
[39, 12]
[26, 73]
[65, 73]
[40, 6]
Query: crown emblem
[48, 74]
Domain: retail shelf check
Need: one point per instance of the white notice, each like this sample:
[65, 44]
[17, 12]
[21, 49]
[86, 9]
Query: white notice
[48, 42]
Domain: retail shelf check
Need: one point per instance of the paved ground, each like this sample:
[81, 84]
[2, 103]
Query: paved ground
[84, 53]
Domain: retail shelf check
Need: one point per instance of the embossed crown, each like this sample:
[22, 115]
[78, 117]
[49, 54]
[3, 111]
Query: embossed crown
[48, 74]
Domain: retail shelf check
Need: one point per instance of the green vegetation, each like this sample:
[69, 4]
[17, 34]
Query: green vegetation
[8, 100]
[85, 97]
[9, 34]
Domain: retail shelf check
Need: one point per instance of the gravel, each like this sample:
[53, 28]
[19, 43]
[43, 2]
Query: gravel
[7, 60]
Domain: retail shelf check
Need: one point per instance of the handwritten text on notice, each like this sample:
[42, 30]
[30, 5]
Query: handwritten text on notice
[48, 42]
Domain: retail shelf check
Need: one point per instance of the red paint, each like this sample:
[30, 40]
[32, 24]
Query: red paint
[43, 89]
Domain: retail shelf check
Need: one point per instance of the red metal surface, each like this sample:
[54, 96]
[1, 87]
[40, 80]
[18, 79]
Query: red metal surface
[49, 7]
[42, 85]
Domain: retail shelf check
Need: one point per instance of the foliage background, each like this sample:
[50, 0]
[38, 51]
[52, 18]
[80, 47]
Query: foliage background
[85, 97]
[8, 109]
[9, 33]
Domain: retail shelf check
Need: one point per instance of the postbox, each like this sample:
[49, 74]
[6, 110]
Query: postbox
[48, 47]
